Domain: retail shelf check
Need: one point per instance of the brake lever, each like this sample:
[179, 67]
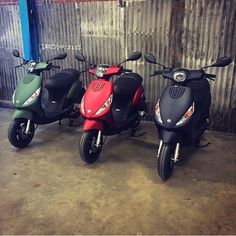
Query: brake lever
[19, 66]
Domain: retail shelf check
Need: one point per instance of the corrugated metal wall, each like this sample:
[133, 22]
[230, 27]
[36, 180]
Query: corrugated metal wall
[188, 33]
[10, 38]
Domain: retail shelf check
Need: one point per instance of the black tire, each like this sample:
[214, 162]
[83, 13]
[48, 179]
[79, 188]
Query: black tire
[16, 135]
[165, 164]
[88, 152]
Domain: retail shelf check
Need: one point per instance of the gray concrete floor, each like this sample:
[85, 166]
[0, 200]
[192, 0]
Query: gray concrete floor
[47, 189]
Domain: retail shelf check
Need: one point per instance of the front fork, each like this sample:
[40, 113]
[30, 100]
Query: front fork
[27, 130]
[99, 139]
[176, 154]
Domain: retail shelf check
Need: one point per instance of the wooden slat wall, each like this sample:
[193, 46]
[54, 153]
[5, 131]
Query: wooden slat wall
[189, 33]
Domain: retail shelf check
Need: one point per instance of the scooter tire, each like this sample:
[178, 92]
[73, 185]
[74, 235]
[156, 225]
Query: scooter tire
[88, 152]
[165, 164]
[15, 133]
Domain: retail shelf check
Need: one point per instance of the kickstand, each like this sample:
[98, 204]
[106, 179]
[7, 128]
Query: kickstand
[71, 121]
[198, 145]
[133, 133]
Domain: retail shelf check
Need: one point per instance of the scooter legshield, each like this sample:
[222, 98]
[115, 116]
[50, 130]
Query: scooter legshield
[22, 114]
[93, 125]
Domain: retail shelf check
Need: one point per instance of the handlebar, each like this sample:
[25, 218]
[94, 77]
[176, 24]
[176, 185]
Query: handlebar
[126, 70]
[157, 72]
[210, 76]
[19, 65]
[55, 66]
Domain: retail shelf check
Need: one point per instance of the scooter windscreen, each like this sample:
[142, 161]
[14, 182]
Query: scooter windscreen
[173, 105]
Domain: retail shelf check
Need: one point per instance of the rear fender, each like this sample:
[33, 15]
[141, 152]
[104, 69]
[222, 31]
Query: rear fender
[93, 125]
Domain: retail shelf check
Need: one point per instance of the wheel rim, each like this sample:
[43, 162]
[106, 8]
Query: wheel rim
[20, 133]
[91, 145]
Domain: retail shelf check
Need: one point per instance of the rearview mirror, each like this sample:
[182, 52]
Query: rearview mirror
[80, 57]
[222, 62]
[60, 56]
[150, 58]
[134, 56]
[16, 53]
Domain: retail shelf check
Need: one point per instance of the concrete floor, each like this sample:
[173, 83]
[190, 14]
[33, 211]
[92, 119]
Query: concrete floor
[47, 189]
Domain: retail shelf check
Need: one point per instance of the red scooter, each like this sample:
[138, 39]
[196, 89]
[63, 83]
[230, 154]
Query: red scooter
[110, 107]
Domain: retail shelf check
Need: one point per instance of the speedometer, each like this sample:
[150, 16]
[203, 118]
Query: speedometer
[180, 76]
[31, 66]
[101, 70]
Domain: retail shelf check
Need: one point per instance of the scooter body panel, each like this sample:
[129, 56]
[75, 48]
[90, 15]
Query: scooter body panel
[76, 92]
[174, 102]
[94, 124]
[173, 107]
[22, 113]
[30, 84]
[97, 94]
[138, 96]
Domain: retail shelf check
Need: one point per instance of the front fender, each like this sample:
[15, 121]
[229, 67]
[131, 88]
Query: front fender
[22, 114]
[93, 124]
[170, 136]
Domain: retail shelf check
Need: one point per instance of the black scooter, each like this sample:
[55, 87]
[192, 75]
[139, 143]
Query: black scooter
[182, 112]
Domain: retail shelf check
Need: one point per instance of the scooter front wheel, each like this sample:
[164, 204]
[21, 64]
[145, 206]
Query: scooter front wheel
[89, 152]
[165, 164]
[16, 133]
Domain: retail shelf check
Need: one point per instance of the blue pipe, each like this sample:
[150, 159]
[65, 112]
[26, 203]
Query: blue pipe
[28, 29]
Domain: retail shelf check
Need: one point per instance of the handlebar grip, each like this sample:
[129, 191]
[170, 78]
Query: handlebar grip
[157, 72]
[126, 70]
[54, 66]
[210, 76]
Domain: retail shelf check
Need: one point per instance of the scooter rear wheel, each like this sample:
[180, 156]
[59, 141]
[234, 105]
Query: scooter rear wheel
[16, 133]
[165, 164]
[88, 150]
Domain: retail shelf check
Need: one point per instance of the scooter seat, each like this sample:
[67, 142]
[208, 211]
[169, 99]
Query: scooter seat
[62, 80]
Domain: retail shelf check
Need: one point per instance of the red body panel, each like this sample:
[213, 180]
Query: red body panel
[138, 96]
[98, 92]
[112, 70]
[93, 124]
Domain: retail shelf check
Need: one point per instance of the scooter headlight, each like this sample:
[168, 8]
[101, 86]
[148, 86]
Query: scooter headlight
[32, 97]
[158, 112]
[105, 105]
[186, 116]
[180, 76]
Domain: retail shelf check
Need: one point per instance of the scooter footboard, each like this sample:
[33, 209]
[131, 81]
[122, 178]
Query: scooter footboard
[170, 136]
[93, 124]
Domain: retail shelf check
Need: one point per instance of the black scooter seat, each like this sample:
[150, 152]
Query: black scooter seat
[62, 80]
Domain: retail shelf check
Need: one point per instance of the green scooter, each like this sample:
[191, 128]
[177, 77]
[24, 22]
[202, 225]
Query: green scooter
[40, 101]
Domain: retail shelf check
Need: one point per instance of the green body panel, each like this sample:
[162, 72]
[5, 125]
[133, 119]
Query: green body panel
[41, 66]
[25, 89]
[22, 114]
[75, 90]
